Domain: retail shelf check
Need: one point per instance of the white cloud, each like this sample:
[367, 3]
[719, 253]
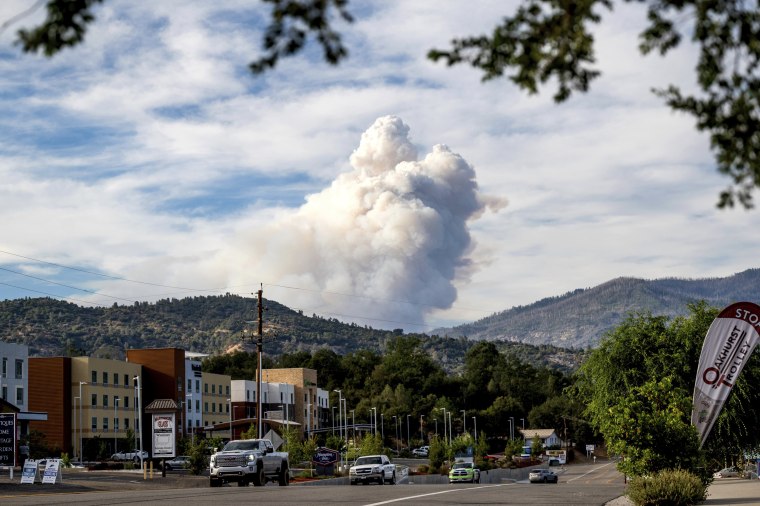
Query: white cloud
[150, 152]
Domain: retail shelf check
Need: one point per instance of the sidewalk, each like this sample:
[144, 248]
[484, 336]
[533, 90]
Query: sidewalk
[723, 492]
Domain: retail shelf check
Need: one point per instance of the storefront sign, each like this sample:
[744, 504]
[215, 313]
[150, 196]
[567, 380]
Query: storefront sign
[164, 436]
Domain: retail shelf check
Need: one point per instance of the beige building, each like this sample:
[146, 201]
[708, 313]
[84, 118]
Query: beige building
[304, 403]
[216, 400]
[104, 401]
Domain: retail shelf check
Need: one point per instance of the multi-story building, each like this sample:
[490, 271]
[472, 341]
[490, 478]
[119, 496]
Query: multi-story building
[104, 401]
[193, 395]
[216, 401]
[14, 374]
[301, 399]
[50, 392]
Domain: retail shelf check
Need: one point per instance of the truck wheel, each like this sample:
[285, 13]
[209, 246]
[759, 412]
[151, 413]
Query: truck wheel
[381, 481]
[258, 478]
[393, 478]
[214, 483]
[284, 478]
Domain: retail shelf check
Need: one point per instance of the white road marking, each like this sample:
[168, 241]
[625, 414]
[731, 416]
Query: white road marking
[586, 474]
[409, 498]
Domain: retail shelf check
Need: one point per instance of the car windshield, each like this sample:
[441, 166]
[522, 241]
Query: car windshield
[462, 465]
[241, 445]
[363, 461]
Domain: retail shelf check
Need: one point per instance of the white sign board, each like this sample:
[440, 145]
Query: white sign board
[164, 435]
[52, 473]
[29, 473]
[589, 448]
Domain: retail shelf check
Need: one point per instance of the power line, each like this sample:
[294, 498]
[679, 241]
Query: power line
[51, 294]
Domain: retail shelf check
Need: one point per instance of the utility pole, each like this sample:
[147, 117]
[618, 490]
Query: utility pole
[259, 346]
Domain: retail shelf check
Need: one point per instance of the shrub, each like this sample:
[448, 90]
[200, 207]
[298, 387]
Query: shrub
[670, 487]
[423, 469]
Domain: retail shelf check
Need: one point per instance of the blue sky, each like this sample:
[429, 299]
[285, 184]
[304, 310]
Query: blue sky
[150, 155]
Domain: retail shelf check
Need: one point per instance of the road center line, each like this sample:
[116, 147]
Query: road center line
[591, 471]
[408, 498]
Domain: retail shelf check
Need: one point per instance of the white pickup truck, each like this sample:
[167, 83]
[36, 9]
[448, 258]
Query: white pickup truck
[372, 468]
[249, 461]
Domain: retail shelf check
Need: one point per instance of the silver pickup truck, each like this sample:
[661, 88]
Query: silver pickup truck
[249, 461]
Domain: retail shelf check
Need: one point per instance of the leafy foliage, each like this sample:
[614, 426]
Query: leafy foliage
[638, 384]
[672, 487]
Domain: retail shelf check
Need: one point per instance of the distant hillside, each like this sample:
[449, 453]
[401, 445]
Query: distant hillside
[580, 318]
[216, 325]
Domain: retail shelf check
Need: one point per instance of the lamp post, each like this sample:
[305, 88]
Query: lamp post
[229, 410]
[139, 416]
[512, 424]
[374, 419]
[308, 420]
[523, 423]
[382, 423]
[353, 424]
[340, 403]
[464, 421]
[444, 423]
[75, 425]
[450, 439]
[511, 434]
[333, 421]
[115, 421]
[422, 434]
[408, 435]
[81, 429]
[190, 422]
[475, 431]
[395, 428]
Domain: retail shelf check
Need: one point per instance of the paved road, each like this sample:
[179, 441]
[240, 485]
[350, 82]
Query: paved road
[579, 485]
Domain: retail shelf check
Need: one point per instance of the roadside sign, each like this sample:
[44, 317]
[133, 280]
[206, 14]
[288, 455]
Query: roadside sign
[7, 439]
[29, 473]
[164, 436]
[52, 473]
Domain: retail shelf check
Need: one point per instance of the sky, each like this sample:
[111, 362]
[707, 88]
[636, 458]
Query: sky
[390, 191]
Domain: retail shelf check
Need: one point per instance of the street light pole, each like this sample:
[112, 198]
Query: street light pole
[464, 421]
[408, 435]
[353, 423]
[475, 422]
[229, 407]
[512, 420]
[81, 429]
[333, 417]
[450, 440]
[115, 408]
[340, 403]
[76, 443]
[523, 423]
[444, 423]
[139, 417]
[190, 422]
[382, 432]
[422, 434]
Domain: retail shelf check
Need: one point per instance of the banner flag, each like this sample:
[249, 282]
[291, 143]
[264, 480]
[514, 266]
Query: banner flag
[728, 345]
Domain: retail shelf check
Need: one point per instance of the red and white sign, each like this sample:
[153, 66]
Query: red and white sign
[164, 436]
[730, 341]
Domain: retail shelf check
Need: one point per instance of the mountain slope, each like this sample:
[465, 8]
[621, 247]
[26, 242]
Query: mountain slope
[580, 318]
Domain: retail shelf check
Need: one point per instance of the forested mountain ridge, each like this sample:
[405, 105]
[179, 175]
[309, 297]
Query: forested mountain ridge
[216, 324]
[579, 319]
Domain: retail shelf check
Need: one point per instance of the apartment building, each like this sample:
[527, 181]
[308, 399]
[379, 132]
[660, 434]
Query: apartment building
[14, 374]
[216, 401]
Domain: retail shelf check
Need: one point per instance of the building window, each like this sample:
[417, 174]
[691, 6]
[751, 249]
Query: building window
[197, 386]
[213, 389]
[19, 396]
[126, 380]
[116, 425]
[213, 407]
[205, 407]
[189, 385]
[197, 423]
[190, 406]
[19, 368]
[197, 406]
[126, 423]
[220, 389]
[205, 388]
[227, 389]
[126, 402]
[105, 423]
[94, 379]
[5, 393]
[105, 401]
[227, 408]
[105, 378]
[94, 425]
[5, 367]
[94, 400]
[220, 407]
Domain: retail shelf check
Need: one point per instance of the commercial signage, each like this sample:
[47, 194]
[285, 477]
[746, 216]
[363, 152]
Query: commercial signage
[729, 343]
[29, 473]
[52, 473]
[325, 457]
[8, 439]
[164, 436]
